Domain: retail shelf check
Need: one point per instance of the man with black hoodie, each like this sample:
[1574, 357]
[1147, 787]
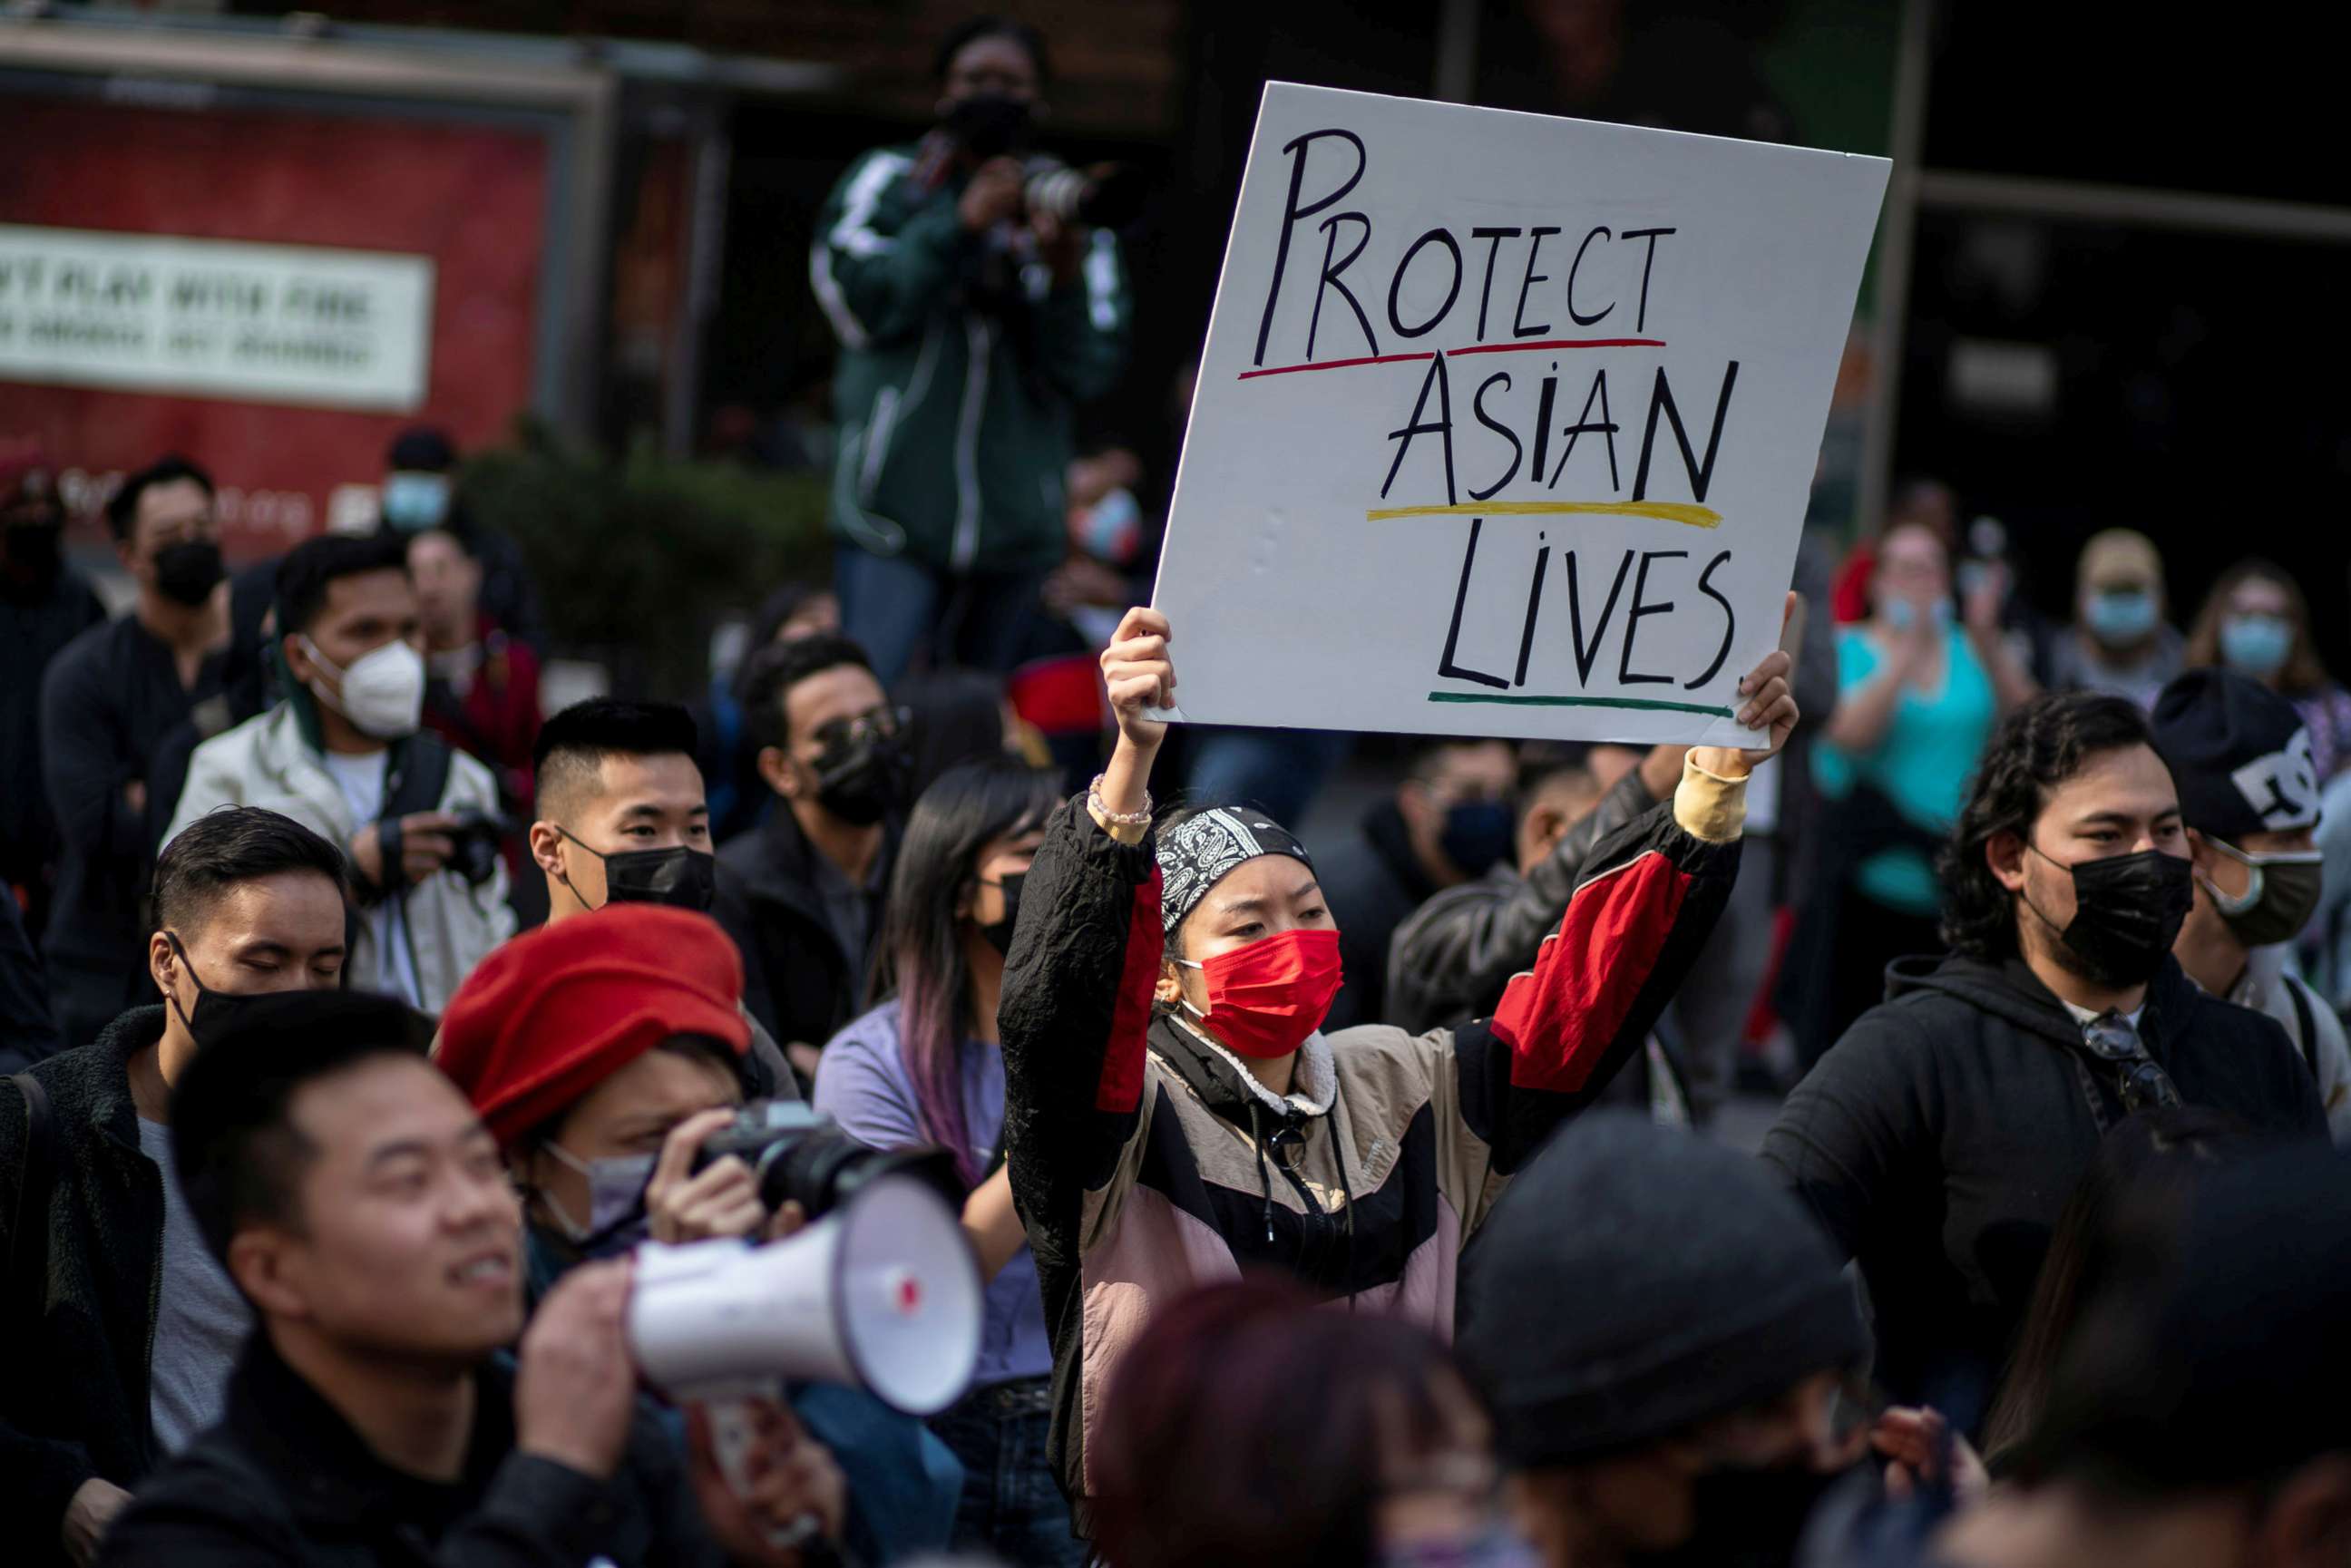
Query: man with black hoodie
[1938, 1140]
[802, 894]
[121, 1327]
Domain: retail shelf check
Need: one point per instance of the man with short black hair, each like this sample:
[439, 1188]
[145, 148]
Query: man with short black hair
[624, 819]
[125, 1362]
[341, 752]
[1938, 1140]
[121, 708]
[802, 893]
[617, 780]
[359, 1205]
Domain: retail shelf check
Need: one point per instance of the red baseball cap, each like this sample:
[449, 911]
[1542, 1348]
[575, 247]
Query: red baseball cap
[550, 1014]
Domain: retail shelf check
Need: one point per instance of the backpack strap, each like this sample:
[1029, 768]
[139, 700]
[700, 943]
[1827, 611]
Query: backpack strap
[420, 778]
[2305, 1025]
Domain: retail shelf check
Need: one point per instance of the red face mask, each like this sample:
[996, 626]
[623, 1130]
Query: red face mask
[1264, 1000]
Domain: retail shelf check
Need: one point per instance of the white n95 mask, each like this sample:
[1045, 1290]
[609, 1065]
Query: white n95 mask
[382, 692]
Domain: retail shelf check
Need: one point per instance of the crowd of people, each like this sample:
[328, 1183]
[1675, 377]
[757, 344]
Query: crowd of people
[364, 1026]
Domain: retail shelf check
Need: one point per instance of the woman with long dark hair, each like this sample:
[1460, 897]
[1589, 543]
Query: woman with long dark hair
[923, 1069]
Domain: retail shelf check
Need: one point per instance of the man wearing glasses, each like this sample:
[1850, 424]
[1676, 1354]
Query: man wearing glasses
[1939, 1140]
[801, 894]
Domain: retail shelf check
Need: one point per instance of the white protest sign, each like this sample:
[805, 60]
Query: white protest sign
[1506, 424]
[270, 323]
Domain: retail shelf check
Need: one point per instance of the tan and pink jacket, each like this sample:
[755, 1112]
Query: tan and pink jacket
[1144, 1159]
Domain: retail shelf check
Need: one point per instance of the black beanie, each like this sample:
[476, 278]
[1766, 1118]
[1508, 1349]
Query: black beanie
[1635, 1281]
[2238, 753]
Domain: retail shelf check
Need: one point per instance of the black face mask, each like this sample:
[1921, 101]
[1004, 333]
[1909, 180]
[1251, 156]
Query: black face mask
[990, 125]
[862, 780]
[2127, 910]
[999, 933]
[1476, 834]
[1746, 1518]
[218, 1013]
[679, 877]
[187, 572]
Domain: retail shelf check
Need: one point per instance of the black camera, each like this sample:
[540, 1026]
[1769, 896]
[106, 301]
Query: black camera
[801, 1157]
[1106, 196]
[475, 843]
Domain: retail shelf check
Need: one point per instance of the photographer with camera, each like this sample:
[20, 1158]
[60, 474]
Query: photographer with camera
[341, 753]
[603, 1055]
[974, 308]
[375, 1416]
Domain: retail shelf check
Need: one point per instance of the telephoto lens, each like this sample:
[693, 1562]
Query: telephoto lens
[801, 1157]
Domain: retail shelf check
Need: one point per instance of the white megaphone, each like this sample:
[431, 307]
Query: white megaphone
[882, 1294]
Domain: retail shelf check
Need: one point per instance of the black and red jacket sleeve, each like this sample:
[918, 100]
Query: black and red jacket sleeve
[1075, 1007]
[1644, 904]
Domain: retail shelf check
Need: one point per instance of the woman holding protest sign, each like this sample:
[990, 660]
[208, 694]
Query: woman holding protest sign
[1172, 1110]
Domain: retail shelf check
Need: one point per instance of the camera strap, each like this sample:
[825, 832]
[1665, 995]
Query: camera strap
[420, 777]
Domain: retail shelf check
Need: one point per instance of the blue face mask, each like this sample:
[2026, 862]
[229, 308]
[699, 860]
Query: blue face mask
[2121, 617]
[2256, 645]
[1901, 614]
[413, 502]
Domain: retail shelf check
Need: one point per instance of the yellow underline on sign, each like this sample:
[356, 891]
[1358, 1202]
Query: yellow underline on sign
[1660, 511]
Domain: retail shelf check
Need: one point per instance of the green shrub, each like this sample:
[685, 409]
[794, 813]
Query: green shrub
[638, 560]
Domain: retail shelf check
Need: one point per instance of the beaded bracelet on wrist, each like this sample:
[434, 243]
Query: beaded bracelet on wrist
[1116, 818]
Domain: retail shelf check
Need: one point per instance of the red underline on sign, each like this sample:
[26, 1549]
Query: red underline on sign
[1337, 364]
[1561, 343]
[1450, 353]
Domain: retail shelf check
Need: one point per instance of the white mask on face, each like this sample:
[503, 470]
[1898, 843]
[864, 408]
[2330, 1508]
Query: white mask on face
[382, 692]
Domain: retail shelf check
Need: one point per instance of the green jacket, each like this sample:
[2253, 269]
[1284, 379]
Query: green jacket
[954, 423]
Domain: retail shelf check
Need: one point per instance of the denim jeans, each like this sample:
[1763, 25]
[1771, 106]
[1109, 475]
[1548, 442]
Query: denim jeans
[896, 608]
[1011, 1505]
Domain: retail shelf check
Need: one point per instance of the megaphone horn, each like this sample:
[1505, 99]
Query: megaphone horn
[882, 1294]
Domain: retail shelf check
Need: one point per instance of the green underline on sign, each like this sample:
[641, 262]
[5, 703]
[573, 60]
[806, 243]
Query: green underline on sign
[1639, 704]
[1660, 511]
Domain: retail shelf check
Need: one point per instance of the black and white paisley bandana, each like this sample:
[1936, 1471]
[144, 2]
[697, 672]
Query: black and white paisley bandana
[1200, 852]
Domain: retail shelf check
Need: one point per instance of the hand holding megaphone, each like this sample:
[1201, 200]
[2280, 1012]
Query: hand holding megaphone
[766, 1488]
[575, 1391]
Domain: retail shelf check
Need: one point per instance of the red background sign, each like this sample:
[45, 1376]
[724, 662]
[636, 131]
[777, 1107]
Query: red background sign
[471, 198]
